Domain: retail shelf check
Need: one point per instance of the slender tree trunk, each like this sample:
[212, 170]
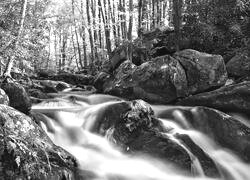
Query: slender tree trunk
[93, 3]
[177, 18]
[119, 25]
[158, 13]
[131, 8]
[90, 33]
[74, 48]
[63, 50]
[130, 45]
[48, 60]
[17, 41]
[113, 23]
[124, 20]
[100, 27]
[153, 14]
[60, 51]
[139, 18]
[84, 38]
[77, 38]
[106, 26]
[55, 47]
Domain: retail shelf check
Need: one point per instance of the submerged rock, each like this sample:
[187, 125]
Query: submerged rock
[204, 71]
[133, 126]
[26, 152]
[231, 98]
[18, 96]
[224, 129]
[36, 93]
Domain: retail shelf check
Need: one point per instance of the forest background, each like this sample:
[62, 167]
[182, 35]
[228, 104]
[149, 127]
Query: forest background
[73, 35]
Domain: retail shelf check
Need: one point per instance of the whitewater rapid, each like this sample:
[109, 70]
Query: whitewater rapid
[69, 124]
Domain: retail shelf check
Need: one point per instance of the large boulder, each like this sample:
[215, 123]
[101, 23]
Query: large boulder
[133, 127]
[18, 96]
[26, 152]
[231, 98]
[239, 65]
[204, 71]
[225, 130]
[100, 79]
[159, 81]
[165, 79]
[4, 99]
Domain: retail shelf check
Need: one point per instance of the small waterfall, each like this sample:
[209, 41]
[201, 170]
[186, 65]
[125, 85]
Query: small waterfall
[70, 123]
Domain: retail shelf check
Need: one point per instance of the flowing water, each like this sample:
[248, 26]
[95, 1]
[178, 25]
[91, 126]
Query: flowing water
[69, 124]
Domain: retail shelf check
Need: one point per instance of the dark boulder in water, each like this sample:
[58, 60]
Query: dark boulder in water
[18, 96]
[26, 152]
[225, 130]
[133, 126]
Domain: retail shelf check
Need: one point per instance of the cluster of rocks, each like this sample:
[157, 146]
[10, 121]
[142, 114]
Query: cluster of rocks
[188, 77]
[137, 128]
[26, 152]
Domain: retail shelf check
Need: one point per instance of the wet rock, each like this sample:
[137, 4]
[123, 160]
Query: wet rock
[36, 93]
[224, 129]
[45, 74]
[74, 79]
[239, 65]
[133, 126]
[4, 99]
[62, 86]
[231, 98]
[18, 96]
[50, 86]
[26, 152]
[159, 81]
[204, 71]
[100, 79]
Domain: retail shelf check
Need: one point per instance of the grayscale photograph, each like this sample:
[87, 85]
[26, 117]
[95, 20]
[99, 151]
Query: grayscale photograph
[124, 89]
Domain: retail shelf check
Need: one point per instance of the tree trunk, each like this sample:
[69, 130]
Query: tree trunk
[77, 38]
[153, 13]
[74, 48]
[177, 20]
[139, 30]
[130, 45]
[90, 33]
[106, 26]
[17, 41]
[113, 23]
[48, 60]
[93, 7]
[63, 50]
[82, 34]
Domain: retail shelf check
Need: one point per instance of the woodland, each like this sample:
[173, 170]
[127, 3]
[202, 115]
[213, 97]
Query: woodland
[125, 89]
